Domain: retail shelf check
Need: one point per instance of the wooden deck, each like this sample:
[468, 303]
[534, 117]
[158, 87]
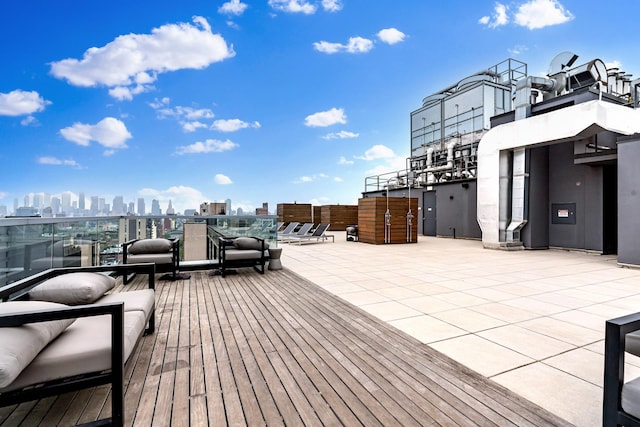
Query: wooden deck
[275, 349]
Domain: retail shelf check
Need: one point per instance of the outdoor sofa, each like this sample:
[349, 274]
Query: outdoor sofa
[164, 253]
[61, 330]
[235, 252]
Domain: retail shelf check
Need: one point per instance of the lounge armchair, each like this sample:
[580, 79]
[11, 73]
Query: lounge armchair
[164, 253]
[242, 252]
[319, 235]
[287, 230]
[621, 400]
[303, 231]
[68, 333]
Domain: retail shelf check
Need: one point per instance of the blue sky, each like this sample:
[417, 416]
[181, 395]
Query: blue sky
[254, 100]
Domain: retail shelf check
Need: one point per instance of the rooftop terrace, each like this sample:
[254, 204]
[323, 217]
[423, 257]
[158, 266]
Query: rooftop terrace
[435, 333]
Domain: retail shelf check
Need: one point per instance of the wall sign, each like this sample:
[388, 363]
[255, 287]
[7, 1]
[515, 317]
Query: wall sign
[563, 213]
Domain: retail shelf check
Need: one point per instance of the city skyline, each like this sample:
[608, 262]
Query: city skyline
[269, 100]
[79, 204]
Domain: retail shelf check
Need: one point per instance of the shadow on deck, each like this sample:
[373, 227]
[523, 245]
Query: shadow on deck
[276, 349]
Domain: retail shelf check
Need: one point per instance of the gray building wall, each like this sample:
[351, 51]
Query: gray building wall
[628, 200]
[457, 210]
[580, 185]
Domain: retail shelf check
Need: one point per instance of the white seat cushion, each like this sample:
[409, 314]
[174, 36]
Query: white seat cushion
[142, 300]
[21, 344]
[83, 347]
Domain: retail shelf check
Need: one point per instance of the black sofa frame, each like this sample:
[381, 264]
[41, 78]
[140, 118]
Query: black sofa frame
[614, 351]
[226, 243]
[160, 268]
[115, 376]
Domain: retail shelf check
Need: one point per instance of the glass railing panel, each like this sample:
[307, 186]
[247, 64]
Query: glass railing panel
[31, 245]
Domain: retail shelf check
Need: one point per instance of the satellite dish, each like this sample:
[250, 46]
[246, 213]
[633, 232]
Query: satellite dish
[561, 62]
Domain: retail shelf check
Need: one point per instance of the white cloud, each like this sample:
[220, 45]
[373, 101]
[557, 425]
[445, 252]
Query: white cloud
[232, 125]
[518, 49]
[208, 146]
[326, 118]
[108, 132]
[536, 14]
[343, 161]
[233, 7]
[343, 134]
[20, 103]
[391, 36]
[331, 5]
[499, 17]
[355, 45]
[193, 126]
[130, 63]
[533, 14]
[337, 179]
[47, 160]
[293, 6]
[307, 178]
[377, 152]
[221, 179]
[181, 197]
[29, 120]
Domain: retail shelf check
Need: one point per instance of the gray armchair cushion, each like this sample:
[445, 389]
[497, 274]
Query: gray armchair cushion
[150, 246]
[249, 243]
[73, 288]
[21, 344]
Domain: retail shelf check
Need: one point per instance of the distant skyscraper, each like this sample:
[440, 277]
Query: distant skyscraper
[118, 206]
[26, 201]
[3, 210]
[170, 210]
[132, 208]
[155, 207]
[46, 200]
[16, 205]
[38, 201]
[66, 201]
[55, 205]
[141, 208]
[228, 203]
[93, 210]
[81, 205]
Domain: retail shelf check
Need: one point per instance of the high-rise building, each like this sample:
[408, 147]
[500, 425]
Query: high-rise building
[66, 201]
[26, 203]
[228, 203]
[132, 209]
[81, 205]
[56, 205]
[38, 201]
[155, 207]
[170, 210]
[141, 207]
[118, 206]
[93, 210]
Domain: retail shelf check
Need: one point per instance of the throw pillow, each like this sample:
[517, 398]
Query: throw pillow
[73, 288]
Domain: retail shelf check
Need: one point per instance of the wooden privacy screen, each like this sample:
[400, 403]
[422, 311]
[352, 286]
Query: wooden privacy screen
[294, 212]
[371, 221]
[339, 216]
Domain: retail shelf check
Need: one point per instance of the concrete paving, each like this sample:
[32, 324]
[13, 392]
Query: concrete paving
[532, 321]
